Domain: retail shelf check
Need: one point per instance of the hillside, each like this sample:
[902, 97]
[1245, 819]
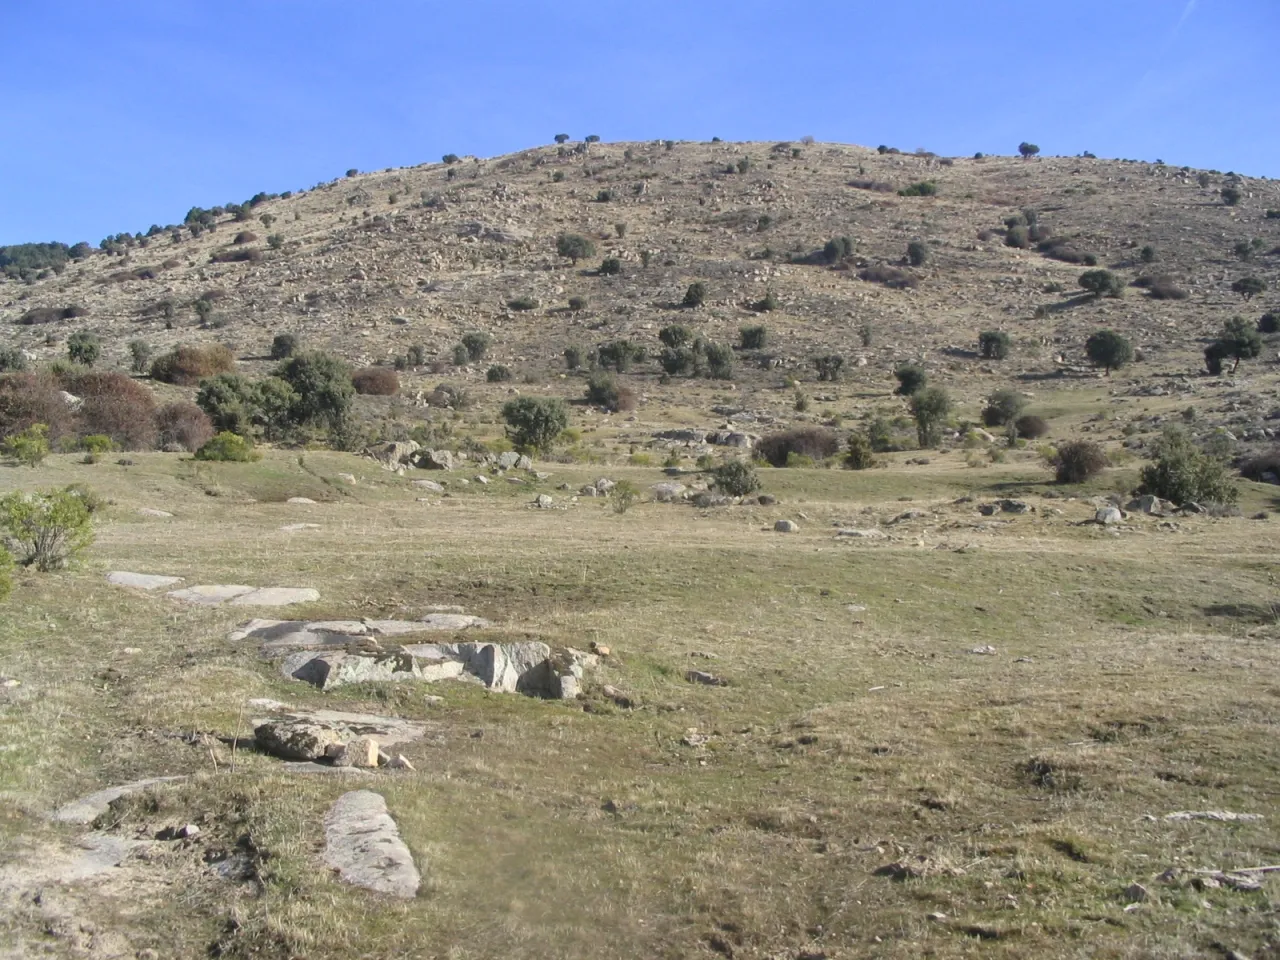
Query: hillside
[374, 263]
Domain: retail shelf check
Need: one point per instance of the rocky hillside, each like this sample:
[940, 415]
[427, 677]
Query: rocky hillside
[375, 263]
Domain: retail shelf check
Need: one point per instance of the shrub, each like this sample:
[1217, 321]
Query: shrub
[1231, 196]
[572, 358]
[1003, 407]
[1062, 248]
[40, 315]
[930, 407]
[1102, 283]
[925, 188]
[575, 247]
[1249, 287]
[6, 573]
[534, 423]
[30, 398]
[94, 446]
[911, 379]
[29, 447]
[322, 387]
[186, 366]
[498, 374]
[754, 337]
[1028, 150]
[993, 344]
[1018, 236]
[1164, 288]
[476, 345]
[522, 304]
[620, 354]
[917, 253]
[577, 303]
[676, 335]
[561, 138]
[610, 267]
[892, 277]
[836, 249]
[829, 366]
[460, 356]
[603, 391]
[1267, 323]
[1148, 254]
[767, 304]
[49, 529]
[1257, 468]
[228, 447]
[1031, 427]
[182, 424]
[816, 443]
[1239, 340]
[683, 360]
[83, 348]
[245, 236]
[859, 455]
[737, 478]
[696, 295]
[12, 360]
[1109, 350]
[284, 345]
[140, 354]
[1183, 473]
[241, 406]
[243, 255]
[623, 495]
[376, 382]
[117, 406]
[719, 361]
[1078, 460]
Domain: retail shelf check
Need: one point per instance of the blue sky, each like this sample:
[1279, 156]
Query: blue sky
[118, 115]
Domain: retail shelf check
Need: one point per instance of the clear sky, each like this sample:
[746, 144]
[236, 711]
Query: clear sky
[116, 115]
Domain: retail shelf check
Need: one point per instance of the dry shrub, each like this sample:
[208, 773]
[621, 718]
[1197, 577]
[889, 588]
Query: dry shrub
[627, 399]
[892, 277]
[213, 295]
[1256, 468]
[30, 398]
[1031, 427]
[1161, 288]
[245, 236]
[877, 186]
[39, 315]
[186, 366]
[1062, 248]
[116, 406]
[1079, 460]
[182, 425]
[376, 381]
[245, 255]
[813, 442]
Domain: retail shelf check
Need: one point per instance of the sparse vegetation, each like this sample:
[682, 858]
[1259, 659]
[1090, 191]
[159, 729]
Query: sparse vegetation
[28, 447]
[188, 365]
[83, 348]
[1109, 350]
[575, 247]
[911, 379]
[1183, 473]
[829, 366]
[736, 478]
[1102, 283]
[930, 407]
[476, 343]
[859, 455]
[534, 423]
[497, 373]
[228, 447]
[1078, 460]
[753, 337]
[285, 345]
[782, 448]
[993, 344]
[49, 530]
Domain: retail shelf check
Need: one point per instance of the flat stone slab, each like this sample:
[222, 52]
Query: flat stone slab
[212, 595]
[141, 581]
[299, 527]
[152, 512]
[93, 854]
[88, 808]
[870, 534]
[388, 731]
[363, 844]
[283, 636]
[302, 500]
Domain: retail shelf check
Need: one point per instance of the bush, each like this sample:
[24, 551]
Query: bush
[891, 277]
[1148, 254]
[460, 356]
[737, 478]
[182, 424]
[577, 304]
[49, 529]
[1231, 196]
[575, 247]
[29, 447]
[925, 188]
[836, 249]
[620, 354]
[696, 295]
[1028, 150]
[993, 344]
[40, 315]
[228, 447]
[94, 446]
[604, 391]
[522, 304]
[186, 366]
[911, 379]
[1031, 427]
[1003, 407]
[376, 382]
[1102, 283]
[572, 358]
[753, 338]
[242, 255]
[241, 406]
[610, 267]
[766, 305]
[859, 455]
[1109, 350]
[1257, 468]
[1249, 287]
[498, 374]
[12, 360]
[1239, 340]
[117, 406]
[683, 360]
[476, 345]
[534, 423]
[1018, 236]
[244, 236]
[1062, 248]
[719, 361]
[1267, 323]
[322, 387]
[1078, 460]
[1162, 288]
[816, 443]
[140, 354]
[676, 335]
[83, 348]
[284, 345]
[30, 398]
[930, 407]
[917, 253]
[623, 495]
[829, 366]
[1184, 473]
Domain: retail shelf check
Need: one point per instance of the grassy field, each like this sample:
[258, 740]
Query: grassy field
[865, 785]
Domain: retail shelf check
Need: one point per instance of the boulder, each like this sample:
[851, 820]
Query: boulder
[1014, 506]
[786, 526]
[504, 666]
[295, 738]
[543, 501]
[435, 460]
[1150, 505]
[362, 843]
[507, 460]
[1107, 516]
[524, 463]
[392, 454]
[429, 485]
[668, 492]
[359, 752]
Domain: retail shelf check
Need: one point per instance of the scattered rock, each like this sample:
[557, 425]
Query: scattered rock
[300, 500]
[152, 512]
[786, 526]
[1221, 816]
[431, 485]
[363, 844]
[1108, 516]
[1136, 893]
[297, 738]
[299, 527]
[393, 454]
[871, 534]
[766, 500]
[141, 581]
[987, 650]
[706, 679]
[668, 492]
[1149, 504]
[543, 501]
[1014, 506]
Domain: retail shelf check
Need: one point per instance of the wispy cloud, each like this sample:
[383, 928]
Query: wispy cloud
[1187, 11]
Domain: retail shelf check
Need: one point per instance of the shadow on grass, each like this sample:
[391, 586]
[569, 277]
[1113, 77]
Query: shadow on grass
[1249, 612]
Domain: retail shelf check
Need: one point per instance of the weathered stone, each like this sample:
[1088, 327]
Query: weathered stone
[89, 808]
[1107, 516]
[363, 844]
[786, 526]
[524, 463]
[295, 738]
[507, 459]
[1149, 504]
[435, 460]
[141, 581]
[429, 485]
[152, 512]
[210, 595]
[358, 752]
[869, 534]
[543, 501]
[1014, 506]
[300, 500]
[392, 454]
[503, 667]
[706, 679]
[569, 687]
[766, 500]
[668, 492]
[276, 597]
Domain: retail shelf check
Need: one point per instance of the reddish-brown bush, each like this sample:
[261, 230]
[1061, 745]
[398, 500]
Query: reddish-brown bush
[1031, 427]
[28, 398]
[189, 365]
[50, 315]
[376, 381]
[182, 425]
[245, 236]
[116, 406]
[889, 276]
[813, 442]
